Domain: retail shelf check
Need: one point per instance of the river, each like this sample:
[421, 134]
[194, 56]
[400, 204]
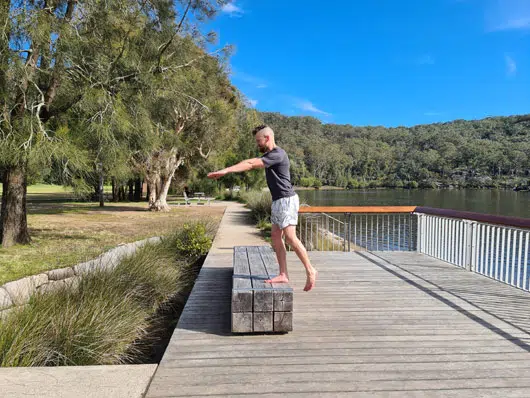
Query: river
[498, 202]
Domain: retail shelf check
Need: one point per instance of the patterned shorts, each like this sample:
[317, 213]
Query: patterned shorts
[285, 211]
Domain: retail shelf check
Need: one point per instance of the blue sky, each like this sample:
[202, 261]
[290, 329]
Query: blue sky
[381, 62]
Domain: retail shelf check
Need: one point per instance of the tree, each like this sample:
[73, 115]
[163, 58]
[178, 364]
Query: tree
[38, 40]
[180, 117]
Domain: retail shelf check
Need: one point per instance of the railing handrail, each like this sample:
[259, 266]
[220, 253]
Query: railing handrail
[480, 217]
[357, 209]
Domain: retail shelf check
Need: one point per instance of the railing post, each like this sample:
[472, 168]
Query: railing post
[468, 231]
[347, 228]
[419, 233]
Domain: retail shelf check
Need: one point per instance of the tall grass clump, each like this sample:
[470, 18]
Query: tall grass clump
[106, 317]
[259, 203]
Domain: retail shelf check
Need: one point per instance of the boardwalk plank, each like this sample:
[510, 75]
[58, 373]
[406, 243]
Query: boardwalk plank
[377, 325]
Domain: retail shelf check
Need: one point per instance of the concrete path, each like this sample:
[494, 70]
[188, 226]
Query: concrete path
[236, 229]
[120, 381]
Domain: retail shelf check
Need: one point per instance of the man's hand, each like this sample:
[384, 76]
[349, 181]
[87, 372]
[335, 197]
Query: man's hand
[216, 174]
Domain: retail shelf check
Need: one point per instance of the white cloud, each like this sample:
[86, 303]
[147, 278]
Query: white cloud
[252, 102]
[511, 66]
[309, 107]
[246, 78]
[504, 15]
[232, 10]
[513, 24]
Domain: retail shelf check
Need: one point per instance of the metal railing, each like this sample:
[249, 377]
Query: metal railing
[358, 228]
[494, 246]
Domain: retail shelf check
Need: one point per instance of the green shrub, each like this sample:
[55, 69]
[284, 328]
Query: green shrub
[228, 195]
[306, 182]
[352, 183]
[193, 240]
[259, 203]
[317, 183]
[102, 320]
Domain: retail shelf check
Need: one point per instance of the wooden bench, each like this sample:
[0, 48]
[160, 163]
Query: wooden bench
[257, 306]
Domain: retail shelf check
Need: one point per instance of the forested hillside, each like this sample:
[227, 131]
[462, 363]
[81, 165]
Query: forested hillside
[492, 152]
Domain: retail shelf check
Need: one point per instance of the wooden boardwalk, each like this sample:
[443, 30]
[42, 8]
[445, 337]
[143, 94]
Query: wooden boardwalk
[383, 324]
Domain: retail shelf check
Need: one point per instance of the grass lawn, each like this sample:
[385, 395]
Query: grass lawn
[66, 233]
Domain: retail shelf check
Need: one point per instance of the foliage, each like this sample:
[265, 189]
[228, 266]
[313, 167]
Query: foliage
[193, 240]
[112, 90]
[259, 203]
[97, 321]
[477, 153]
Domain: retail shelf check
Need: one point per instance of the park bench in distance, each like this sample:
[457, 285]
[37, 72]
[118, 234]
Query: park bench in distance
[257, 306]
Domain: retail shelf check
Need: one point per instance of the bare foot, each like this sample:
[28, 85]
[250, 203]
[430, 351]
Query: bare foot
[311, 280]
[282, 278]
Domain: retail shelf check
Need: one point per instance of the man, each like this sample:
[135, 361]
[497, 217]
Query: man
[285, 202]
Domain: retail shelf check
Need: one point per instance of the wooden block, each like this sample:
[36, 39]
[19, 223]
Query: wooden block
[263, 322]
[283, 321]
[242, 322]
[283, 301]
[242, 300]
[263, 300]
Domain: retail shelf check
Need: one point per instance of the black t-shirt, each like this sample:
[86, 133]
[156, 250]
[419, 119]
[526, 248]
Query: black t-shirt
[277, 172]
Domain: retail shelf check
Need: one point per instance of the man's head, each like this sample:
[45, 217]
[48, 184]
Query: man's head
[264, 138]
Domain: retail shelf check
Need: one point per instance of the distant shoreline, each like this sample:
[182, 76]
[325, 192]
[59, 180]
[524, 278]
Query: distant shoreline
[323, 188]
[332, 188]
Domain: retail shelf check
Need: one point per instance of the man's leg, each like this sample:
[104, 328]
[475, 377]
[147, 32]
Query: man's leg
[293, 241]
[281, 255]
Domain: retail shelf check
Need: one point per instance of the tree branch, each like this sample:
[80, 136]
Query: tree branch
[174, 68]
[164, 47]
[51, 92]
[202, 154]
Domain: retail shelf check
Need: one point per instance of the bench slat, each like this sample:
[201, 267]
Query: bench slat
[271, 264]
[241, 270]
[263, 298]
[242, 296]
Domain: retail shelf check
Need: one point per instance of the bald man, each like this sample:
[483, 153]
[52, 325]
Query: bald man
[285, 202]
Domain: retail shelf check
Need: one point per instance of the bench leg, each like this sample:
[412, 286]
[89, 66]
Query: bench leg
[242, 322]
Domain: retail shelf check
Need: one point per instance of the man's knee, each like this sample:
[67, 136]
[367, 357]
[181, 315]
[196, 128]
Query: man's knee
[276, 235]
[291, 239]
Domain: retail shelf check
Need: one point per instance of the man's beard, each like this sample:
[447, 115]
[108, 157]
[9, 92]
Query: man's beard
[262, 149]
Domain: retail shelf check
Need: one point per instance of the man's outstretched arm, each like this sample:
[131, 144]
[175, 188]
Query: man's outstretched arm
[245, 165]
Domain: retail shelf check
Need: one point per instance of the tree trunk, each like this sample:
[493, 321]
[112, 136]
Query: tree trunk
[114, 190]
[130, 197]
[13, 219]
[161, 202]
[151, 189]
[101, 188]
[121, 193]
[138, 190]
